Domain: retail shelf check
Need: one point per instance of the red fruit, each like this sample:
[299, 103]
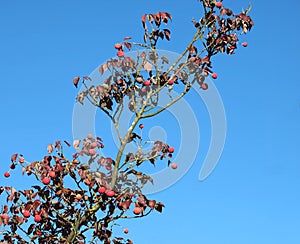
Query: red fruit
[192, 59]
[78, 197]
[52, 174]
[118, 46]
[147, 83]
[245, 44]
[4, 216]
[218, 4]
[126, 231]
[108, 167]
[92, 152]
[46, 181]
[37, 218]
[137, 210]
[26, 214]
[120, 54]
[141, 126]
[204, 86]
[101, 189]
[21, 160]
[94, 145]
[144, 90]
[7, 174]
[214, 76]
[12, 166]
[171, 149]
[171, 82]
[174, 166]
[109, 193]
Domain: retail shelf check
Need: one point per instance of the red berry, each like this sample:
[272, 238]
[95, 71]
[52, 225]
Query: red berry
[7, 174]
[94, 145]
[171, 149]
[204, 86]
[118, 46]
[92, 152]
[137, 210]
[4, 216]
[174, 166]
[144, 90]
[126, 231]
[109, 193]
[21, 160]
[12, 166]
[101, 189]
[120, 54]
[46, 181]
[26, 214]
[214, 76]
[108, 167]
[147, 82]
[37, 218]
[218, 4]
[78, 197]
[141, 126]
[171, 82]
[52, 174]
[245, 44]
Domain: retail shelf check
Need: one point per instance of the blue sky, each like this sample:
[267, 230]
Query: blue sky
[253, 195]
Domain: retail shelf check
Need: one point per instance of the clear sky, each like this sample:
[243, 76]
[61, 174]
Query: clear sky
[253, 194]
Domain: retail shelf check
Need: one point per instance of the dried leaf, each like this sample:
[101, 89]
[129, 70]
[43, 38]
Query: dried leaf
[76, 144]
[76, 80]
[128, 45]
[87, 78]
[147, 66]
[14, 157]
[144, 20]
[167, 34]
[50, 148]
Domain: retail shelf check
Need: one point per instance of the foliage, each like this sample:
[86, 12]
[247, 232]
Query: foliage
[80, 200]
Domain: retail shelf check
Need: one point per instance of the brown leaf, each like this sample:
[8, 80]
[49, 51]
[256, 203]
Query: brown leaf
[101, 69]
[50, 148]
[159, 206]
[165, 60]
[76, 144]
[12, 194]
[167, 34]
[147, 66]
[76, 80]
[169, 16]
[151, 204]
[128, 45]
[14, 157]
[144, 18]
[87, 78]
